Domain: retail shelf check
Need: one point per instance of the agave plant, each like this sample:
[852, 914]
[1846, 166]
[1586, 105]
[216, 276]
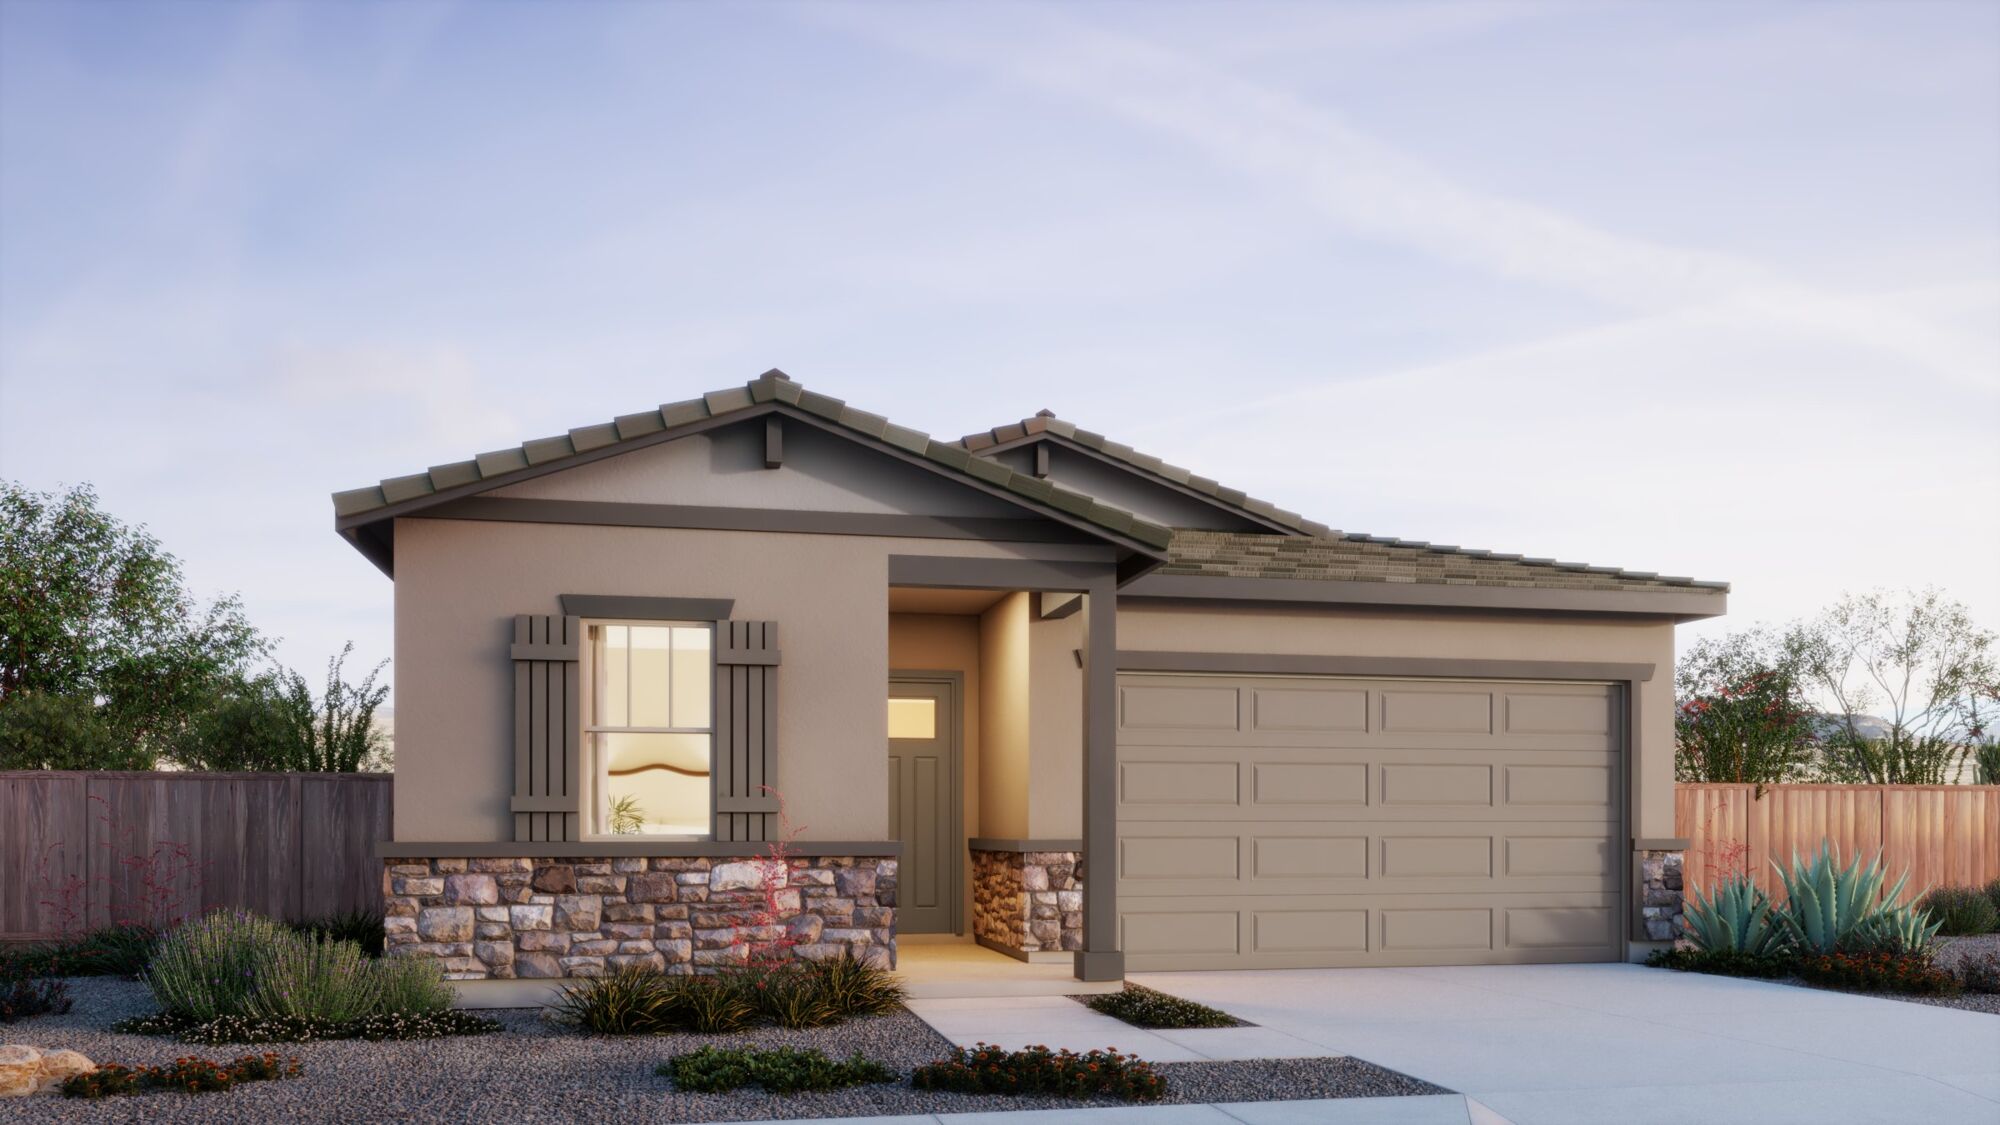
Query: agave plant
[1829, 908]
[1735, 915]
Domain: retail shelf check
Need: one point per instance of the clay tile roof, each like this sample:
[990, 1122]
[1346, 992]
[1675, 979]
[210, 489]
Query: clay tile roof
[1046, 422]
[1369, 558]
[772, 386]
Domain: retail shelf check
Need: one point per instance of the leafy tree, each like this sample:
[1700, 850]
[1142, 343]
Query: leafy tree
[273, 722]
[1741, 712]
[39, 731]
[94, 609]
[1920, 663]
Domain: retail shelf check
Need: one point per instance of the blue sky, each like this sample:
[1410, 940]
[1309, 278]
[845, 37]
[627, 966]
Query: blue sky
[1705, 289]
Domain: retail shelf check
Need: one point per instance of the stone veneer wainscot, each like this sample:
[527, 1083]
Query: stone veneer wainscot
[1660, 891]
[1027, 902]
[546, 918]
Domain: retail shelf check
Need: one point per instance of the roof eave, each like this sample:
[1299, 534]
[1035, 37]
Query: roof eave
[1166, 482]
[378, 522]
[1689, 604]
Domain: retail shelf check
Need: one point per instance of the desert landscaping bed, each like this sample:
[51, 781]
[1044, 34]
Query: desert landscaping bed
[1949, 952]
[532, 1071]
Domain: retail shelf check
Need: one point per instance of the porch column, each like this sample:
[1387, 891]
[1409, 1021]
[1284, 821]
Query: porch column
[1100, 958]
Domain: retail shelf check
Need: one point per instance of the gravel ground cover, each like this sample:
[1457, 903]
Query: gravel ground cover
[532, 1072]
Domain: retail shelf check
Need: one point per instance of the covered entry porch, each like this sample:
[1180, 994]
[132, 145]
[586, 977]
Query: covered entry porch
[1000, 766]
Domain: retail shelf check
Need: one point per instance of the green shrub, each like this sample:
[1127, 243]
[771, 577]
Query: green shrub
[362, 927]
[986, 1069]
[1993, 895]
[1734, 916]
[209, 967]
[189, 1075]
[307, 978]
[121, 951]
[1724, 962]
[1961, 910]
[23, 998]
[1143, 1007]
[1831, 909]
[293, 1029]
[1979, 973]
[779, 1070]
[1879, 971]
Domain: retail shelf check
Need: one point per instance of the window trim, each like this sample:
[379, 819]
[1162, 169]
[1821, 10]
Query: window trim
[590, 828]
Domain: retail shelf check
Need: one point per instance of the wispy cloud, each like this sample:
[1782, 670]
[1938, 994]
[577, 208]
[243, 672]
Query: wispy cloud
[1372, 189]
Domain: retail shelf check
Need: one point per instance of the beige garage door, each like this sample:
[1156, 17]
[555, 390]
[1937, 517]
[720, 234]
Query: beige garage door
[1298, 822]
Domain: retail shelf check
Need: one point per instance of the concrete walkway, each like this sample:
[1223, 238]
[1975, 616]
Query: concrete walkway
[1437, 1110]
[1539, 1045]
[1588, 1044]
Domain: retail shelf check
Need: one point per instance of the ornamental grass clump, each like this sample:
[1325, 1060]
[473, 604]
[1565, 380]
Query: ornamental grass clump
[209, 967]
[798, 994]
[234, 977]
[308, 978]
[1961, 911]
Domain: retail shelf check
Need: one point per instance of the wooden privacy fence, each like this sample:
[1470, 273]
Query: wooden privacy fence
[1943, 835]
[85, 849]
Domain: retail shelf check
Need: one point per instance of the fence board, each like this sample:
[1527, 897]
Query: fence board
[1940, 834]
[286, 845]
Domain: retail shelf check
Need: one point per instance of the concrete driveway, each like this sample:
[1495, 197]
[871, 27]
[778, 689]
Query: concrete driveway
[1589, 1044]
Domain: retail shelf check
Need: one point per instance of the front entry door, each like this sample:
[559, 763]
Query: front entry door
[924, 804]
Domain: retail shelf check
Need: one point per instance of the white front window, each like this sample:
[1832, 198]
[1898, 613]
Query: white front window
[650, 731]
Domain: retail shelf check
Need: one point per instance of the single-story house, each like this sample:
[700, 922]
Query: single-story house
[1031, 687]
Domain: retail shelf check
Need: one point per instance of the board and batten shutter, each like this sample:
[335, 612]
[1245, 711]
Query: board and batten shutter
[746, 729]
[548, 727]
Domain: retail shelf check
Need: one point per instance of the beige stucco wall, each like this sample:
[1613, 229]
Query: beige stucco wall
[459, 583]
[1153, 626]
[1004, 717]
[1055, 729]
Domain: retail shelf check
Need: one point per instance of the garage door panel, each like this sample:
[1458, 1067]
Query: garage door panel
[1364, 822]
[1179, 707]
[1293, 709]
[1558, 713]
[1309, 783]
[1199, 782]
[1460, 783]
[1436, 712]
[1559, 927]
[1590, 786]
[1339, 931]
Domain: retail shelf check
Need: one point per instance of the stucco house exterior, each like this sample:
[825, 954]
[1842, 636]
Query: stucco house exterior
[1030, 687]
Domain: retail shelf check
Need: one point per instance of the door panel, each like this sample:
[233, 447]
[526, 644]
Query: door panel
[924, 805]
[1301, 821]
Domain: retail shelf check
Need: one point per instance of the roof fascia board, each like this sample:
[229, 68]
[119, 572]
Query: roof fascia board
[1691, 605]
[1219, 504]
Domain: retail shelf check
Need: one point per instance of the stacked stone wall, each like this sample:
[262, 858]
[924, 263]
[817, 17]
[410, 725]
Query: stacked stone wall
[548, 918]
